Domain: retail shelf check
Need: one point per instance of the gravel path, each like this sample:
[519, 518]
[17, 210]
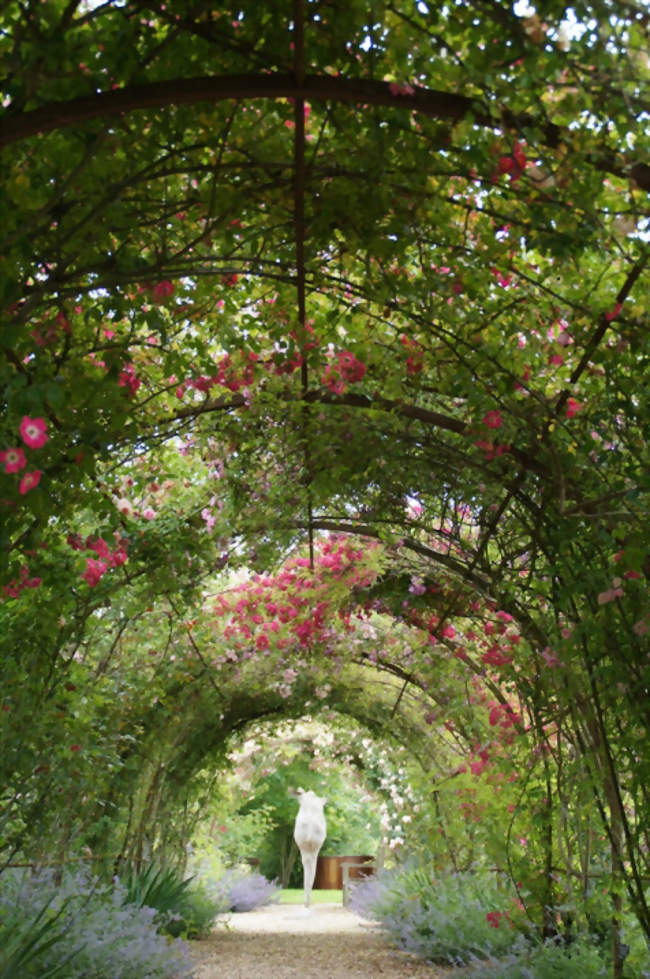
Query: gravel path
[285, 941]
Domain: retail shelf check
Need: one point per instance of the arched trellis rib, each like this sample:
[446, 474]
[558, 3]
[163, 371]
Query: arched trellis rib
[189, 91]
[270, 706]
[350, 400]
[299, 224]
[601, 329]
[210, 88]
[409, 678]
[208, 733]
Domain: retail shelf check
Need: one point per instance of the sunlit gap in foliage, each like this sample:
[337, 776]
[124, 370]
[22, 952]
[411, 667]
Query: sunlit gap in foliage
[369, 801]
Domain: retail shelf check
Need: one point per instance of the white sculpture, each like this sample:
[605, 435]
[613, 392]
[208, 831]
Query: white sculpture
[309, 833]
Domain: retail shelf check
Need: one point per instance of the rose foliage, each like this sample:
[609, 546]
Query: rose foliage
[324, 368]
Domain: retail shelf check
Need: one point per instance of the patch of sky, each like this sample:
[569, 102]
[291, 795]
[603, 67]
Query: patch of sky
[523, 8]
[569, 27]
[86, 5]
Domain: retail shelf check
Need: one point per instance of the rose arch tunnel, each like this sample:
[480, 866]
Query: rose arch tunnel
[323, 358]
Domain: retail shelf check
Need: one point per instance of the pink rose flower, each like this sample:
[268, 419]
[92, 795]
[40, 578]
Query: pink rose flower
[33, 432]
[14, 460]
[29, 481]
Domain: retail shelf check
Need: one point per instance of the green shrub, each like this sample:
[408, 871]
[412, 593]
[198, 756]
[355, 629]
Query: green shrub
[243, 834]
[155, 887]
[183, 906]
[550, 960]
[195, 915]
[637, 961]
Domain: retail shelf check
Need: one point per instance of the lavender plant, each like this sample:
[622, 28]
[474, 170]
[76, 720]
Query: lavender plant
[369, 895]
[470, 920]
[453, 920]
[97, 935]
[239, 891]
[25, 940]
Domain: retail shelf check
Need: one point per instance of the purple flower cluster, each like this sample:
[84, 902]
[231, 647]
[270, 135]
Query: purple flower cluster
[99, 936]
[245, 891]
[441, 919]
